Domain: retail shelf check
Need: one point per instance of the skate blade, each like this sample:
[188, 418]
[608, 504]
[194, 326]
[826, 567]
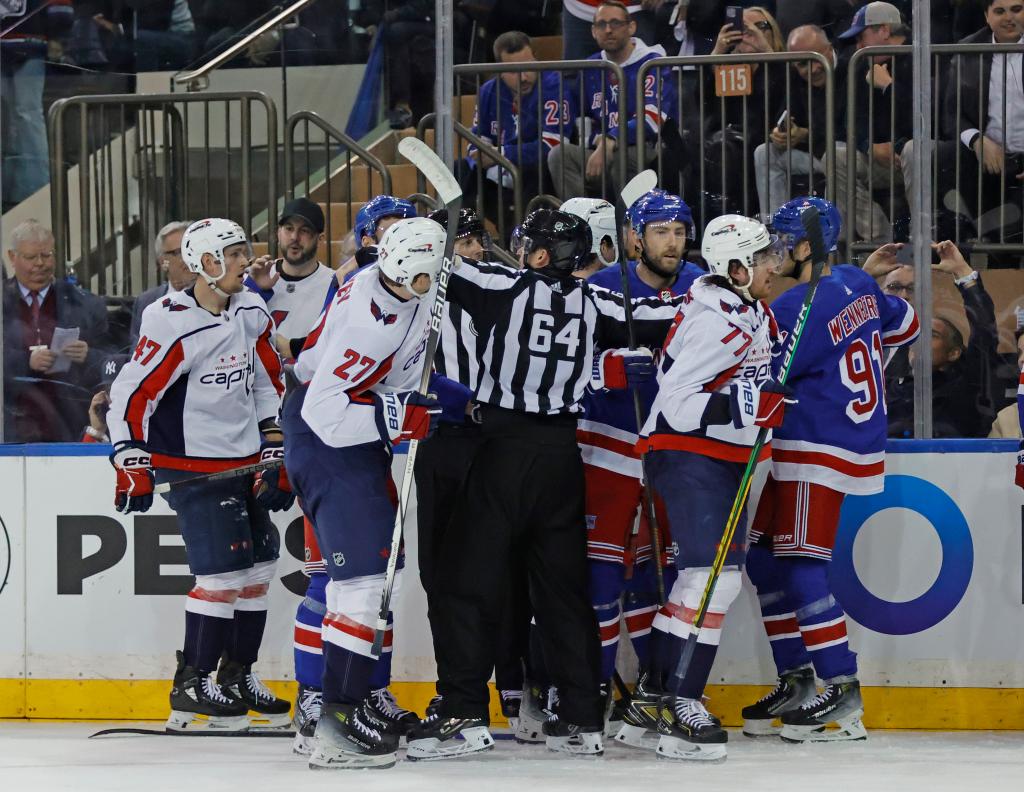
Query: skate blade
[590, 744]
[260, 721]
[637, 737]
[351, 761]
[469, 741]
[529, 731]
[847, 730]
[674, 749]
[302, 745]
[180, 721]
[611, 728]
[767, 727]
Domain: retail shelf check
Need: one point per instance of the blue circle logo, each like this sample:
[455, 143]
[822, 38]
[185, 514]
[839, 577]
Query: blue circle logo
[904, 618]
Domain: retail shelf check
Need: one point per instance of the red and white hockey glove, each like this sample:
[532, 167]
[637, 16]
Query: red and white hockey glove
[409, 415]
[134, 489]
[1018, 478]
[272, 489]
[617, 369]
[764, 406]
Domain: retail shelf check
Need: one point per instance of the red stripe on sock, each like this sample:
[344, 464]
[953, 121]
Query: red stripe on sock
[781, 627]
[815, 636]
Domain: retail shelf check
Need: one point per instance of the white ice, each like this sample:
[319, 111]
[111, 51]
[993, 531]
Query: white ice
[38, 757]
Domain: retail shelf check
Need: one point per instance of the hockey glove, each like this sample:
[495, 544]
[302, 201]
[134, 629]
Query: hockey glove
[616, 369]
[134, 489]
[408, 416]
[452, 396]
[1018, 479]
[764, 406]
[272, 488]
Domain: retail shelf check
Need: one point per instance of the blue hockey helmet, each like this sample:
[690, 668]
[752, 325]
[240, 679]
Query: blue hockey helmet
[786, 221]
[659, 206]
[377, 208]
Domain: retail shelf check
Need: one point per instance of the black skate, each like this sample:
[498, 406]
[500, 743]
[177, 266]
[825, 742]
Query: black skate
[572, 739]
[198, 703]
[532, 714]
[347, 738]
[511, 702]
[689, 732]
[438, 737]
[394, 719]
[792, 690]
[242, 683]
[640, 716]
[840, 702]
[433, 707]
[613, 709]
[308, 704]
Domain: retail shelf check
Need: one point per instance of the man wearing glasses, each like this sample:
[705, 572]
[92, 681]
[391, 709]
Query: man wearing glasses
[177, 276]
[47, 389]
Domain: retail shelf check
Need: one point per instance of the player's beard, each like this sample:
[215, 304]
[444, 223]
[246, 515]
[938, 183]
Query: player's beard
[656, 266]
[307, 255]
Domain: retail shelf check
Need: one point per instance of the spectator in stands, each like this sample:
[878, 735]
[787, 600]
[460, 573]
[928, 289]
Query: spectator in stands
[164, 34]
[1007, 422]
[517, 112]
[578, 170]
[832, 16]
[96, 430]
[25, 163]
[578, 19]
[976, 89]
[47, 390]
[963, 374]
[177, 277]
[882, 85]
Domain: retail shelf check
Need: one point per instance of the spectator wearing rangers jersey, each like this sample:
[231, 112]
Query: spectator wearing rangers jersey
[586, 170]
[204, 383]
[715, 393]
[360, 366]
[832, 443]
[622, 580]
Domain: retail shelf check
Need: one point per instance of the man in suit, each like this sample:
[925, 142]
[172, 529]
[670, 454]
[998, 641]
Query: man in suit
[177, 276]
[43, 403]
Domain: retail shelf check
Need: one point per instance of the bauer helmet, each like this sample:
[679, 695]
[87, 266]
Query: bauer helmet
[565, 237]
[600, 216]
[786, 221]
[375, 210]
[659, 206]
[212, 236]
[737, 238]
[409, 248]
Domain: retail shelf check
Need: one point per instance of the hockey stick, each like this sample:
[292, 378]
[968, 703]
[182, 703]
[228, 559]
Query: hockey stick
[448, 190]
[642, 183]
[245, 470]
[819, 254]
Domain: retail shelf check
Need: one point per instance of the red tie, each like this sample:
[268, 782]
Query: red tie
[35, 304]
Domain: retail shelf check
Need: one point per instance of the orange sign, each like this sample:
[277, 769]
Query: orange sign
[733, 79]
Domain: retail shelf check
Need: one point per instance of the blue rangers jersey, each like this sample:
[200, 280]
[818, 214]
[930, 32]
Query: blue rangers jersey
[602, 95]
[522, 132]
[835, 434]
[608, 433]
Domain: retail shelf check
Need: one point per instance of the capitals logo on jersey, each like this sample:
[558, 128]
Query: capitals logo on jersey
[382, 316]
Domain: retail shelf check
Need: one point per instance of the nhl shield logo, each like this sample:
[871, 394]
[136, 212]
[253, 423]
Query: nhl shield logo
[338, 559]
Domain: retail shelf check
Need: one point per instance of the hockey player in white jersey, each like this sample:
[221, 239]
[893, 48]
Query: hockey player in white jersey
[360, 367]
[202, 387]
[714, 395]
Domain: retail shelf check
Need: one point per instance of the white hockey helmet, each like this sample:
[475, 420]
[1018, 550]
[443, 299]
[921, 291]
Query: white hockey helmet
[600, 216]
[212, 236]
[411, 247]
[741, 239]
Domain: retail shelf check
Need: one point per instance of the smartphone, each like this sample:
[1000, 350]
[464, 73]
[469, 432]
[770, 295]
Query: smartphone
[734, 17]
[905, 255]
[783, 122]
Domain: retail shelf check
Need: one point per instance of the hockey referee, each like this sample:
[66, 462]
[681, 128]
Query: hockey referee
[524, 493]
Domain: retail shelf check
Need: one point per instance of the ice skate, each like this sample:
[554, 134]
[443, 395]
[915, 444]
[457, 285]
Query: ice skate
[396, 720]
[511, 702]
[308, 704]
[839, 703]
[199, 704]
[347, 738]
[267, 711]
[438, 737]
[690, 733]
[639, 727]
[793, 689]
[570, 738]
[530, 728]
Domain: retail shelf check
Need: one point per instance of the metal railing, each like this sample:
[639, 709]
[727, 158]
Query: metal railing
[124, 165]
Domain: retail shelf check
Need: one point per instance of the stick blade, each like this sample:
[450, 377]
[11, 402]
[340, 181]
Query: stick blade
[431, 166]
[642, 183]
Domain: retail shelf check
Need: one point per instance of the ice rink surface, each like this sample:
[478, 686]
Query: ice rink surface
[58, 756]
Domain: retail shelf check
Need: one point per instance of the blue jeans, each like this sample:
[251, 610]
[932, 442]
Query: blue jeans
[25, 156]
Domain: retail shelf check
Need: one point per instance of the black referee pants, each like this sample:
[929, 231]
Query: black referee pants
[442, 463]
[523, 505]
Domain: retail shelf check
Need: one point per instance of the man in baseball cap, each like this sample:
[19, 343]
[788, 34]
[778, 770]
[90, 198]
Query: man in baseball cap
[875, 15]
[303, 209]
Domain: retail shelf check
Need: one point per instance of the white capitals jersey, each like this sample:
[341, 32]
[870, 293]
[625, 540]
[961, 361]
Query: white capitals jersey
[295, 303]
[198, 384]
[368, 341]
[716, 340]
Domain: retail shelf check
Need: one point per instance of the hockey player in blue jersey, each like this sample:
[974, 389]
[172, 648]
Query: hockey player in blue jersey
[831, 444]
[585, 169]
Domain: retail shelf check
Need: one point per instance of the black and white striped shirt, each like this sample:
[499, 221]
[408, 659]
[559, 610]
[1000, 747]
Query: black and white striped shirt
[457, 357]
[535, 338]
